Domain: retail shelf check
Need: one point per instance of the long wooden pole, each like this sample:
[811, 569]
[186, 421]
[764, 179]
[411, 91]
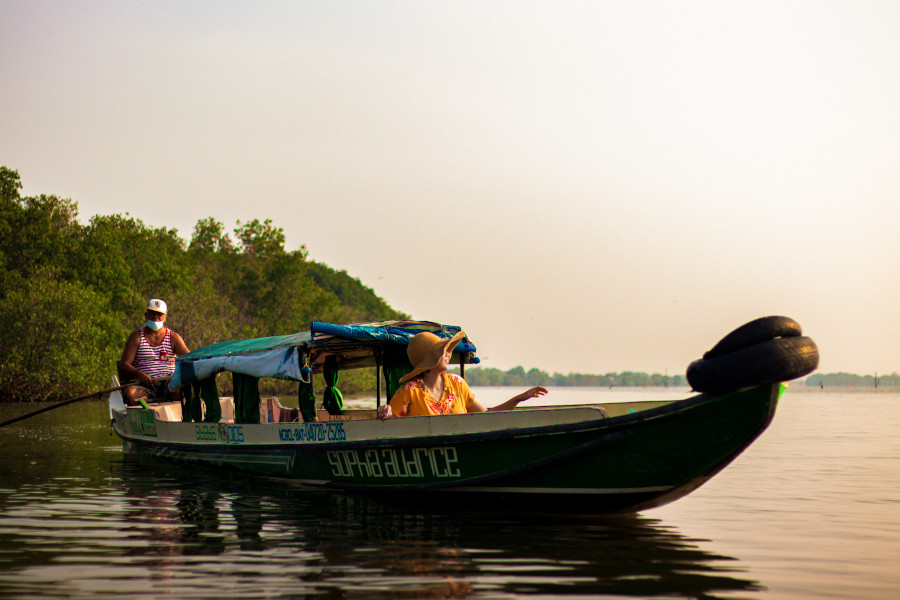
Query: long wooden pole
[71, 400]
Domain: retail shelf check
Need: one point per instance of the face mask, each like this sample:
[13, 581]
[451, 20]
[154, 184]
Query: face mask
[155, 325]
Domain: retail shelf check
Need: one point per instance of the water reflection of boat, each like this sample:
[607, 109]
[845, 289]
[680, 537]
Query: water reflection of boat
[585, 459]
[304, 543]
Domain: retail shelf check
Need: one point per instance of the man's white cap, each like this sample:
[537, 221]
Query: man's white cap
[158, 305]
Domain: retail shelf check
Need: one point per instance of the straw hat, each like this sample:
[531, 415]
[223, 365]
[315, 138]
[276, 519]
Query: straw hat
[426, 349]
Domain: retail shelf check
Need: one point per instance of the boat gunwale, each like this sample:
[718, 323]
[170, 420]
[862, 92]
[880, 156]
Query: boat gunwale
[610, 424]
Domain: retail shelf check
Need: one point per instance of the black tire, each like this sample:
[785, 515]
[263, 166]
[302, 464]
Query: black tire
[754, 332]
[767, 362]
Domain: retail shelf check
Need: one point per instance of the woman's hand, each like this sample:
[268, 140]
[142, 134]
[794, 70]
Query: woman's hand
[512, 402]
[532, 393]
[385, 412]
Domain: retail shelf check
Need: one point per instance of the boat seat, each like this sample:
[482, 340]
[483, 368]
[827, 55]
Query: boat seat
[272, 411]
[169, 411]
[227, 404]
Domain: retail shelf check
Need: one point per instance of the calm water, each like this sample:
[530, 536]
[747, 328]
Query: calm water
[812, 510]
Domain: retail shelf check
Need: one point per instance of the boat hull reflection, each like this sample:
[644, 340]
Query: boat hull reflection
[297, 542]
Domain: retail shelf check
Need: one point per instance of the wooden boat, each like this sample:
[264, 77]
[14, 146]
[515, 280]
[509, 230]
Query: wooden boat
[576, 459]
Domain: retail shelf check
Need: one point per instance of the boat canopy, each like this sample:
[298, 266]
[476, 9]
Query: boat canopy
[296, 356]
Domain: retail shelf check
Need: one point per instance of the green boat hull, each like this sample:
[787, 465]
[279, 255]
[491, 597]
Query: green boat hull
[553, 459]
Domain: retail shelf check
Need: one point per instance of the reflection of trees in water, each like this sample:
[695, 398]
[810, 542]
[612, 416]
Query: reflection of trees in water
[352, 545]
[198, 511]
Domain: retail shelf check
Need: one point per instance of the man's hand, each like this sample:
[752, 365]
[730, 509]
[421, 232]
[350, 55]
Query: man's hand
[144, 379]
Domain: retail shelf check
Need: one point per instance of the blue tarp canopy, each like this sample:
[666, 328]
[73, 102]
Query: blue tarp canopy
[284, 356]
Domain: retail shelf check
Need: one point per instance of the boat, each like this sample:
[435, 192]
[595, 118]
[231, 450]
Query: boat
[581, 459]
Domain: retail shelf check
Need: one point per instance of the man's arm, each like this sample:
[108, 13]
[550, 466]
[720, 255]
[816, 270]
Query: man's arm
[125, 363]
[178, 345]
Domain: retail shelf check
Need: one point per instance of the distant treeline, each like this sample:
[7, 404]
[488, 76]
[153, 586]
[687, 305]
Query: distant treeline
[518, 376]
[71, 293]
[851, 380]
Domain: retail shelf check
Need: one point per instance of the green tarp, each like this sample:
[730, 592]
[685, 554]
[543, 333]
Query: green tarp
[192, 395]
[333, 400]
[395, 365]
[288, 357]
[246, 398]
[307, 402]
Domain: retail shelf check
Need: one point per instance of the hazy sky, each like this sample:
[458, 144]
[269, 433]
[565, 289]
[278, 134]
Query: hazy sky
[583, 186]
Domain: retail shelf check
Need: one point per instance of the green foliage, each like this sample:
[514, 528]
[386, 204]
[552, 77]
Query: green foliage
[10, 184]
[129, 262]
[34, 232]
[355, 298]
[57, 337]
[69, 294]
[274, 293]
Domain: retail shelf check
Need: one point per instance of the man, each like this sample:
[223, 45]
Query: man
[149, 354]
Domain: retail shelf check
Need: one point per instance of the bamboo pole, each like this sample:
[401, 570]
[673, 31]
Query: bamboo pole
[71, 400]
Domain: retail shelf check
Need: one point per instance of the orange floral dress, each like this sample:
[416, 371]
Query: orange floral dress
[412, 399]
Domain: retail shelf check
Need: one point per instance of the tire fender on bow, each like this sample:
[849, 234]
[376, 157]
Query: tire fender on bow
[763, 351]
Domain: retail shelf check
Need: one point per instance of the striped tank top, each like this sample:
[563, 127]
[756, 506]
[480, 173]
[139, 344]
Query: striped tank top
[155, 361]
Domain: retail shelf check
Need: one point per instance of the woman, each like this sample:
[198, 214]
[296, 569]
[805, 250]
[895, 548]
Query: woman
[429, 390]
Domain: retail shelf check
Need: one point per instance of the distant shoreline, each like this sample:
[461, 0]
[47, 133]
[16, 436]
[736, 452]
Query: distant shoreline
[885, 389]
